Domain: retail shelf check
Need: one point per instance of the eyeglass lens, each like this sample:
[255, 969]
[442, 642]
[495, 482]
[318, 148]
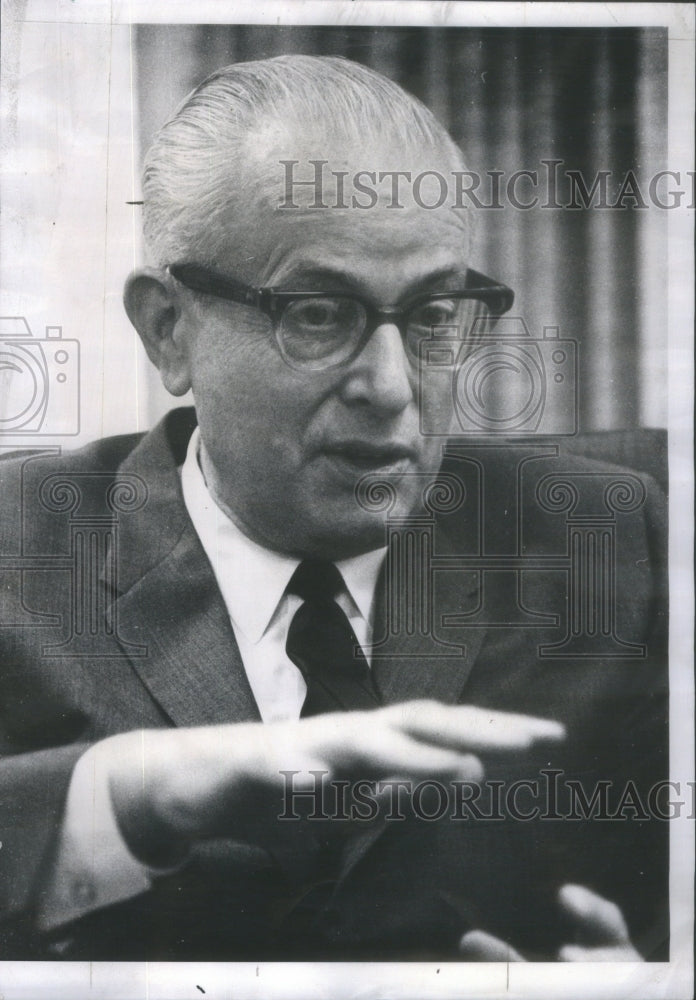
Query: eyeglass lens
[322, 332]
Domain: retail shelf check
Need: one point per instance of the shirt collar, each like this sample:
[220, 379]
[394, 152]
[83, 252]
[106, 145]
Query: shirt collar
[252, 579]
[360, 577]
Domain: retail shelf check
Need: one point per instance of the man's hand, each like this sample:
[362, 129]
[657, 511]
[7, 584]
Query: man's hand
[173, 787]
[602, 935]
[600, 929]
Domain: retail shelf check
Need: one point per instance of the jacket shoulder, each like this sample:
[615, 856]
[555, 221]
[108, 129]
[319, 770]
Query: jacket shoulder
[101, 455]
[25, 475]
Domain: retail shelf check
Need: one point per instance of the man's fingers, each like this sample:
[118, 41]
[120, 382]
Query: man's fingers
[381, 751]
[615, 953]
[422, 761]
[478, 946]
[420, 739]
[466, 727]
[598, 922]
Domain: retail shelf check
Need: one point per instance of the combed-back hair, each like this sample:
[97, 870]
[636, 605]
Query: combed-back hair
[199, 154]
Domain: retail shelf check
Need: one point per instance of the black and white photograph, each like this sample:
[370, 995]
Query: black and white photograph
[346, 500]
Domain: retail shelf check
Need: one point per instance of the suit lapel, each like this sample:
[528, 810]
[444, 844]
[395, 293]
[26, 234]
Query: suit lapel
[425, 663]
[169, 600]
[193, 667]
[411, 666]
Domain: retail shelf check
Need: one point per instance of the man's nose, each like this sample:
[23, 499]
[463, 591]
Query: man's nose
[382, 375]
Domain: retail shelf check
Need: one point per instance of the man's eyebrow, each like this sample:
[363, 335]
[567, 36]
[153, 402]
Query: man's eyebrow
[430, 282]
[328, 277]
[314, 273]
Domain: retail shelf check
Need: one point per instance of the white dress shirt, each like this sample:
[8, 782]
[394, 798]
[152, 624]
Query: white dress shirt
[93, 867]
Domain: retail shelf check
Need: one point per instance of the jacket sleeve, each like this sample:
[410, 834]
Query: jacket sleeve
[33, 788]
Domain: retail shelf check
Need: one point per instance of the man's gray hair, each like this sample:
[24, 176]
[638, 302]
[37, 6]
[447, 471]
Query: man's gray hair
[191, 167]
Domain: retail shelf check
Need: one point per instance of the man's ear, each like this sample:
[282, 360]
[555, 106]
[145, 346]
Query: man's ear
[154, 311]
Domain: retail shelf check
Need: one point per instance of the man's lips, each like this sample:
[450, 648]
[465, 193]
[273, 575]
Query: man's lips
[369, 455]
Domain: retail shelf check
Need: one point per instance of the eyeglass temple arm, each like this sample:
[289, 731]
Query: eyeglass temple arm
[201, 279]
[498, 296]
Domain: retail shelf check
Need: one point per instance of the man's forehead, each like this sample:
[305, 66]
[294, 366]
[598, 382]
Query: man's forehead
[269, 247]
[309, 164]
[339, 205]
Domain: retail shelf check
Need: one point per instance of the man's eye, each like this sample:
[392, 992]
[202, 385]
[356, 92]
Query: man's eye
[440, 312]
[321, 315]
[312, 329]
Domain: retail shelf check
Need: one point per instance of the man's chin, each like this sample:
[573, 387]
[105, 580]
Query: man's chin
[352, 516]
[343, 533]
[344, 540]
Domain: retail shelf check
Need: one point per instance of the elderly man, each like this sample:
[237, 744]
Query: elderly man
[162, 792]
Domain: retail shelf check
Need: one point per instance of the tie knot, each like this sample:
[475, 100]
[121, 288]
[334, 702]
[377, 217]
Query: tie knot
[316, 580]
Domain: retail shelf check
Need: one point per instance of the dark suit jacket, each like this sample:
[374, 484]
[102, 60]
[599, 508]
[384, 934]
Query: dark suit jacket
[154, 647]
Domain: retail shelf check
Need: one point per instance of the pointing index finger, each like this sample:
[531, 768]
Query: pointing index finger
[470, 728]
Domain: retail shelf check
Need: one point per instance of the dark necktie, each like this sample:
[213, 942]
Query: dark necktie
[323, 646]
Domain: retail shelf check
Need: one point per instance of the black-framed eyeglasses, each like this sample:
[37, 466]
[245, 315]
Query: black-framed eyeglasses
[317, 331]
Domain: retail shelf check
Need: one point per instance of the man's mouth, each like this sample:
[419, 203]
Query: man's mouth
[368, 456]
